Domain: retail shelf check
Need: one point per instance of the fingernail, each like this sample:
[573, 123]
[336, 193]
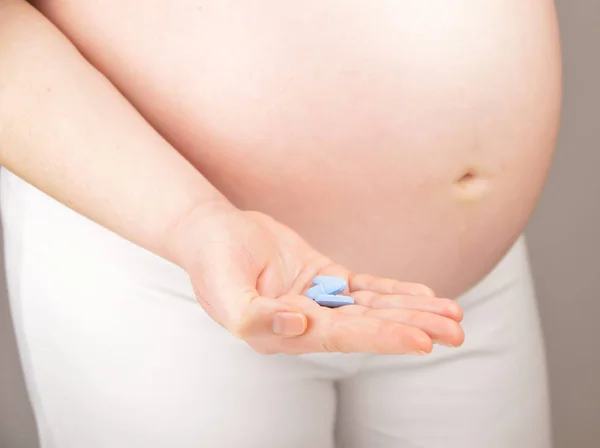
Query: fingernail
[418, 353]
[288, 324]
[445, 344]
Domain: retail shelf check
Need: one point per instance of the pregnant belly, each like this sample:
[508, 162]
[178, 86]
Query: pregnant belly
[403, 138]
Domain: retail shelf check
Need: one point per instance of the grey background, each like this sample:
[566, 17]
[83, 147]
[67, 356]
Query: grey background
[564, 239]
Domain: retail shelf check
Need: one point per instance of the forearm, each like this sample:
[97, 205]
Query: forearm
[66, 130]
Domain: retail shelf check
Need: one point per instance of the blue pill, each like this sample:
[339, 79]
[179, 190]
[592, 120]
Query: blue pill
[315, 291]
[332, 301]
[332, 285]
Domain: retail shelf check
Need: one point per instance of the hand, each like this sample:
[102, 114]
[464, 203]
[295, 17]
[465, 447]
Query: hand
[250, 274]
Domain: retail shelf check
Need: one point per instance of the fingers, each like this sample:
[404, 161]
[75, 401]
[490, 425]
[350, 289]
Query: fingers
[364, 282]
[440, 329]
[444, 307]
[332, 331]
[296, 324]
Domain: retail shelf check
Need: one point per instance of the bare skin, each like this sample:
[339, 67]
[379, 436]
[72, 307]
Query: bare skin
[69, 132]
[424, 130]
[433, 123]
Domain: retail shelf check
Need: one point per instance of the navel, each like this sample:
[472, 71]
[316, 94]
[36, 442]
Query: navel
[471, 185]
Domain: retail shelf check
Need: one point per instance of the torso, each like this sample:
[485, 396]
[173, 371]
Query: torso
[403, 138]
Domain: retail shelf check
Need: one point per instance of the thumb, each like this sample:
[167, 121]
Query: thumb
[272, 317]
[227, 290]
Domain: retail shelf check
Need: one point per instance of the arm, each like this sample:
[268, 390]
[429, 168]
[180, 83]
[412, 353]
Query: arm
[67, 130]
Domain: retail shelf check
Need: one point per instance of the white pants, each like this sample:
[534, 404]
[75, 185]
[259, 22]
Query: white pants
[118, 354]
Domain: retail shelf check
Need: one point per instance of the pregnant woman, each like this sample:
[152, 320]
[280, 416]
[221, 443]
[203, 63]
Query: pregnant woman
[163, 154]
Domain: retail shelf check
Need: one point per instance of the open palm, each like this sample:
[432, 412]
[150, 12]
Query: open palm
[250, 274]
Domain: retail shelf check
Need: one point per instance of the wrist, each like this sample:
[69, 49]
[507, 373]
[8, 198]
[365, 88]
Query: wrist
[180, 241]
